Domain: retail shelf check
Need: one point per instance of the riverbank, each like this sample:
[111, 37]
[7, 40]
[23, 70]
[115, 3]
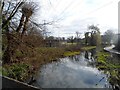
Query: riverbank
[28, 64]
[71, 72]
[110, 65]
[88, 47]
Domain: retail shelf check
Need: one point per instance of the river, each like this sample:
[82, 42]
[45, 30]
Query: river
[78, 71]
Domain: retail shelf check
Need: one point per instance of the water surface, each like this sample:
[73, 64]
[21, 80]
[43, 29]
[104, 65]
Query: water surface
[72, 72]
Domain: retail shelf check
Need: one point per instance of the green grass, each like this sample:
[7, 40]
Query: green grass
[101, 59]
[69, 53]
[88, 47]
[49, 53]
[71, 43]
[108, 66]
[103, 62]
[16, 71]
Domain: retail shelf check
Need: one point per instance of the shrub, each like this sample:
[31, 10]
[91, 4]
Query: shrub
[16, 71]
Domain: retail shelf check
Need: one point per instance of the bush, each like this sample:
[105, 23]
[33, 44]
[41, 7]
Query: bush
[16, 71]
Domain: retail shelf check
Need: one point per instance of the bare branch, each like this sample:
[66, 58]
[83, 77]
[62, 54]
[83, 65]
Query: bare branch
[8, 8]
[2, 6]
[12, 14]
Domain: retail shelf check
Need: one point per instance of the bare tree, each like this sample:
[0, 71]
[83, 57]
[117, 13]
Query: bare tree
[77, 36]
[7, 19]
[108, 36]
[13, 34]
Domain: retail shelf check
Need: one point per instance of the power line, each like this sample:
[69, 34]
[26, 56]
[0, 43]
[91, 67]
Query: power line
[101, 7]
[57, 5]
[97, 9]
[105, 5]
[62, 13]
[52, 5]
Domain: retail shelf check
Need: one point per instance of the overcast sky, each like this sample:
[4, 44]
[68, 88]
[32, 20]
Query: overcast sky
[76, 15]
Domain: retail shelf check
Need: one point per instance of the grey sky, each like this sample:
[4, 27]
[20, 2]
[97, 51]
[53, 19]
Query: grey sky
[76, 15]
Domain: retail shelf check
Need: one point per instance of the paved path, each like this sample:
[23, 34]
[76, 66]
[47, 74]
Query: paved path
[111, 50]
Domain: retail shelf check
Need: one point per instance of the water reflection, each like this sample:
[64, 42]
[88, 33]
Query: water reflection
[72, 72]
[86, 54]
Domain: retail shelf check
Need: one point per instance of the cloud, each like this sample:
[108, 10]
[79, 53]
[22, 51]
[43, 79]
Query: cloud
[76, 15]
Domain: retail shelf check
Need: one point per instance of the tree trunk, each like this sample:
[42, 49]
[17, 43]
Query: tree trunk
[25, 26]
[21, 23]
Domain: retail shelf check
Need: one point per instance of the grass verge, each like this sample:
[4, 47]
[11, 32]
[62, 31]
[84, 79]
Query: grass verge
[28, 63]
[69, 53]
[104, 62]
[88, 47]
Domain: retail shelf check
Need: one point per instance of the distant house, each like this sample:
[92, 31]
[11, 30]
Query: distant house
[54, 41]
[63, 42]
[51, 43]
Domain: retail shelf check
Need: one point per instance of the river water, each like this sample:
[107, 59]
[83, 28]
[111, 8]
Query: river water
[78, 71]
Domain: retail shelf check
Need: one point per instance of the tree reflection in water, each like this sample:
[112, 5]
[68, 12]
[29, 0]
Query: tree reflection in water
[113, 73]
[74, 68]
[86, 55]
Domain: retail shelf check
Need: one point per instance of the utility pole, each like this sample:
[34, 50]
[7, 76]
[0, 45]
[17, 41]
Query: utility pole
[45, 33]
